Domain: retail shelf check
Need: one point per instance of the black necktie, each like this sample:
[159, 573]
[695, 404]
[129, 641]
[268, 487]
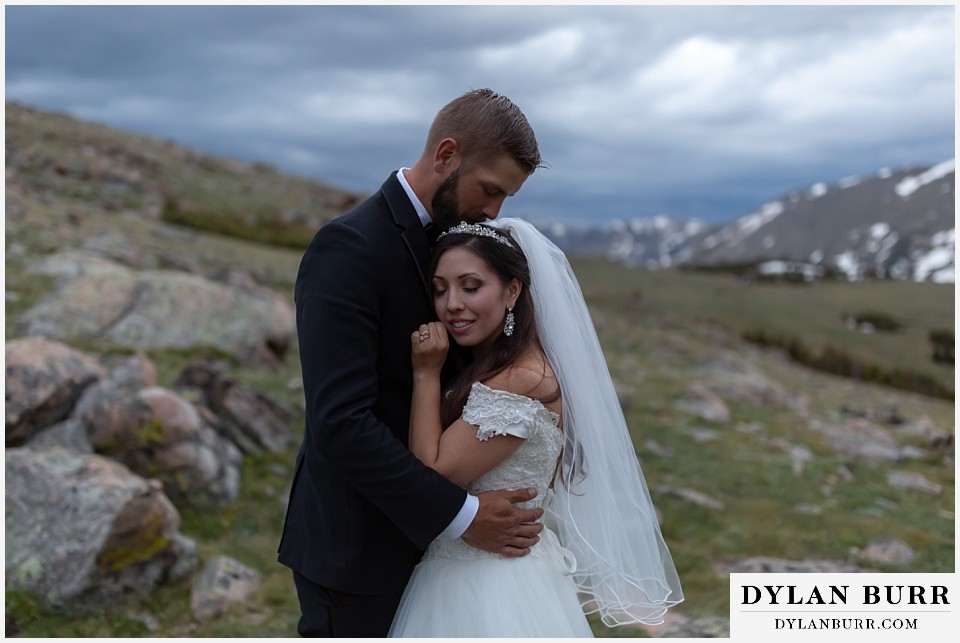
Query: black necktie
[433, 231]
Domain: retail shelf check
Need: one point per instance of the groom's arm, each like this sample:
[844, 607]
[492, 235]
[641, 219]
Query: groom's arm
[338, 326]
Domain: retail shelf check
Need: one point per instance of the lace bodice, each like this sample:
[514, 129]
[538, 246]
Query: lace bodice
[496, 412]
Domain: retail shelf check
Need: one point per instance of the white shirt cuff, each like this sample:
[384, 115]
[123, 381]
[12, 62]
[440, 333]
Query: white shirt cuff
[463, 519]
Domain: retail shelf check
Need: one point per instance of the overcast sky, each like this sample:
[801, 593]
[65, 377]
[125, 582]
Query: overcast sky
[699, 111]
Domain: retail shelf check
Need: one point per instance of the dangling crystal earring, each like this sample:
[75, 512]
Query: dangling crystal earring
[508, 326]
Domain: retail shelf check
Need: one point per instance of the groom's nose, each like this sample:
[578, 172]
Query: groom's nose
[492, 209]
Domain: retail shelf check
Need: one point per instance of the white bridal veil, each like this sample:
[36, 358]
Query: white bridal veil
[601, 509]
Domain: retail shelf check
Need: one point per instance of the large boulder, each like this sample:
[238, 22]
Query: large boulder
[251, 419]
[737, 378]
[164, 309]
[861, 439]
[84, 530]
[44, 381]
[159, 434]
[72, 264]
[69, 434]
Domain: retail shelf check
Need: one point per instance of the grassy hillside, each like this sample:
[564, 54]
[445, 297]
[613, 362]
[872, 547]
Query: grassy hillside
[813, 314]
[61, 157]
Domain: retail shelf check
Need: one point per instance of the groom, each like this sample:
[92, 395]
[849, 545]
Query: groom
[362, 507]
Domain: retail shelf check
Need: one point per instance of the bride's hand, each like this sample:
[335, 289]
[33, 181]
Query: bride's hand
[428, 348]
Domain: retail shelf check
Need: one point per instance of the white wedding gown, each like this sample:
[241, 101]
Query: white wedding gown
[459, 591]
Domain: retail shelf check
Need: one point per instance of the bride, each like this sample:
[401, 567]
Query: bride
[535, 408]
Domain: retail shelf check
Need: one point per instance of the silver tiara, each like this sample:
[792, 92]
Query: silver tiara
[476, 230]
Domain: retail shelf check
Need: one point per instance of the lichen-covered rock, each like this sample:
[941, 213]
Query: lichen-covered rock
[251, 419]
[889, 551]
[737, 379]
[861, 439]
[69, 434]
[158, 434]
[222, 583]
[82, 529]
[913, 481]
[165, 309]
[704, 403]
[76, 263]
[258, 416]
[44, 381]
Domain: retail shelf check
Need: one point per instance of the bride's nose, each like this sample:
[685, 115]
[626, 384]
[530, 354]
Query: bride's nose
[453, 301]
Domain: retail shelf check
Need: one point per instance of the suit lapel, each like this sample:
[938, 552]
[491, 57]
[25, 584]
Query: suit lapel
[412, 232]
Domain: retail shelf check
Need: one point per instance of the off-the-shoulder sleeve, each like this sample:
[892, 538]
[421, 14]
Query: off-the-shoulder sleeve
[499, 412]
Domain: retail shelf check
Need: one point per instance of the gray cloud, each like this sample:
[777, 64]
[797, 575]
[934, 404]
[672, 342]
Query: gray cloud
[692, 111]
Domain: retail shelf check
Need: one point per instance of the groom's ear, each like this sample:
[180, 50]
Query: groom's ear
[445, 155]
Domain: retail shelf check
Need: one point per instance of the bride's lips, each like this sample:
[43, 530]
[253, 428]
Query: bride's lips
[459, 326]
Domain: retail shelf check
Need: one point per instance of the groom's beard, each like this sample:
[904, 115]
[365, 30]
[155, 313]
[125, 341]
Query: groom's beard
[446, 209]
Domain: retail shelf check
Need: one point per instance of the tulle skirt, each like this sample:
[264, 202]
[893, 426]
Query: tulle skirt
[490, 597]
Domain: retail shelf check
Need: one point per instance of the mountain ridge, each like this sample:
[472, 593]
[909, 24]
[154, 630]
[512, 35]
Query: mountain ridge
[893, 224]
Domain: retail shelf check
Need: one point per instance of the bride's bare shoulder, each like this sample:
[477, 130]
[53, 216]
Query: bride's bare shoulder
[531, 375]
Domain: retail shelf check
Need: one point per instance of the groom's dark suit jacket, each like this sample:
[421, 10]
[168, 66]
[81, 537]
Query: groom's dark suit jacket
[362, 507]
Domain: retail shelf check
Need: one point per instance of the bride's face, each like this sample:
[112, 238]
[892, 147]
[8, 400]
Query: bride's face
[470, 299]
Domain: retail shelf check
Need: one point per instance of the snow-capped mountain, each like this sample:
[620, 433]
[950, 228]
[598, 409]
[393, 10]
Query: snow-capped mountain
[895, 223]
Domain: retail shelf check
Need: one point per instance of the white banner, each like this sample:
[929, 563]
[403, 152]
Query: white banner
[844, 607]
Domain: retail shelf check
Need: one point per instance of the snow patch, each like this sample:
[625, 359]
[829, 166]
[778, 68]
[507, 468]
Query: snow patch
[752, 222]
[777, 267]
[879, 230]
[847, 263]
[818, 190]
[911, 184]
[937, 264]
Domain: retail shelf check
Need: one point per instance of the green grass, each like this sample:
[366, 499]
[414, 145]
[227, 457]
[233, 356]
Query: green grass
[812, 314]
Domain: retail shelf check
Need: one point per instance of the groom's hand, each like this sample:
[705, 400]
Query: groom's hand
[502, 528]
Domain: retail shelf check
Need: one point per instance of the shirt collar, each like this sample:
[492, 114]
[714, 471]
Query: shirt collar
[425, 218]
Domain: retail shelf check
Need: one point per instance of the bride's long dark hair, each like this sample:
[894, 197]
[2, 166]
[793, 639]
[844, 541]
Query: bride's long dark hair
[508, 263]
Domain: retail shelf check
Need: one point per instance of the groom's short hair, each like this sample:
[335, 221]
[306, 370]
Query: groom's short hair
[485, 125]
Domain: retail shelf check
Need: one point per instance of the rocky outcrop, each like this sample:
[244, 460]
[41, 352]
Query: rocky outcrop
[887, 551]
[83, 529]
[158, 434]
[44, 381]
[69, 434]
[861, 439]
[251, 419]
[914, 482]
[159, 309]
